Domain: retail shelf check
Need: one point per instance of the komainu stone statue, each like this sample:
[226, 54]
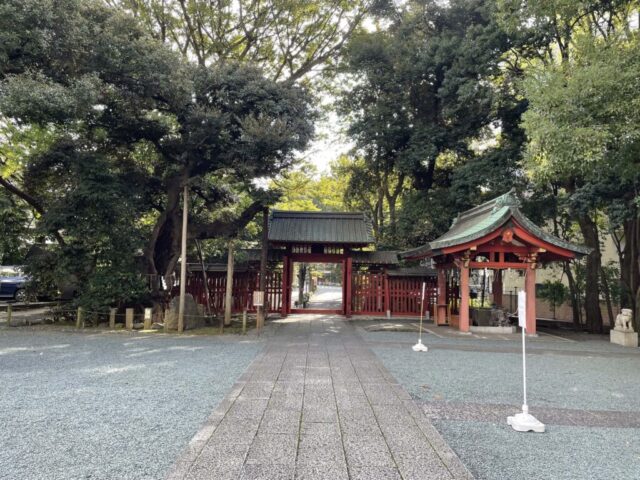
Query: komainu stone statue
[624, 321]
[622, 332]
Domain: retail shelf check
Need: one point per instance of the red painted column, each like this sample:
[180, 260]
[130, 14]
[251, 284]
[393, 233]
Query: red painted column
[530, 289]
[464, 297]
[285, 285]
[497, 287]
[441, 313]
[348, 280]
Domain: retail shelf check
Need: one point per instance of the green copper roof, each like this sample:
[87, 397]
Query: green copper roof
[484, 219]
[320, 227]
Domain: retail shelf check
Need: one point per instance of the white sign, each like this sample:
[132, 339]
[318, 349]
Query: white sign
[522, 309]
[258, 299]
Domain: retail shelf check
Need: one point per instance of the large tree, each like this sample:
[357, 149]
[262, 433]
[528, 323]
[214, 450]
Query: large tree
[426, 90]
[289, 39]
[132, 123]
[582, 125]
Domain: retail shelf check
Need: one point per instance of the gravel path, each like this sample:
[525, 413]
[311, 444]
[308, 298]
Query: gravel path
[109, 405]
[586, 392]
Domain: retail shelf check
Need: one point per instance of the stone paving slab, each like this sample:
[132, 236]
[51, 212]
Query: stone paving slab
[317, 404]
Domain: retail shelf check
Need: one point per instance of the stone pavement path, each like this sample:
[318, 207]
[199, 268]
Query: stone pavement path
[317, 404]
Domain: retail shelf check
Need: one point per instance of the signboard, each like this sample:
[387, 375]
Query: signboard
[258, 299]
[522, 309]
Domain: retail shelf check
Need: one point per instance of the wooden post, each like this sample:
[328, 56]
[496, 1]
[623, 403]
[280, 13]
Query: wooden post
[128, 319]
[183, 260]
[79, 318]
[285, 286]
[147, 319]
[530, 289]
[244, 321]
[387, 295]
[9, 314]
[112, 318]
[497, 287]
[441, 313]
[348, 280]
[260, 313]
[228, 297]
[464, 296]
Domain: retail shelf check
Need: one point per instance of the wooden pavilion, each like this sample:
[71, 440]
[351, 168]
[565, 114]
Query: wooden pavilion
[495, 235]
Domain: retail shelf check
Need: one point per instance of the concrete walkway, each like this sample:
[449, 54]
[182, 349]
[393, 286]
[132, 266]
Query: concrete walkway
[317, 404]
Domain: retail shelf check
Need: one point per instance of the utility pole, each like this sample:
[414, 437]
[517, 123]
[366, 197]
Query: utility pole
[228, 298]
[183, 261]
[261, 312]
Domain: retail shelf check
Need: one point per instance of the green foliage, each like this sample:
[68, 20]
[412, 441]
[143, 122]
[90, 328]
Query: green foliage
[131, 123]
[555, 293]
[433, 108]
[288, 39]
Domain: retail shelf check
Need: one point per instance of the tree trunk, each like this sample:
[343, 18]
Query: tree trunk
[607, 297]
[630, 268]
[574, 296]
[589, 231]
[228, 295]
[302, 277]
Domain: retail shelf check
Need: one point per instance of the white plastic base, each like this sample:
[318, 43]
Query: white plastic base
[524, 422]
[420, 347]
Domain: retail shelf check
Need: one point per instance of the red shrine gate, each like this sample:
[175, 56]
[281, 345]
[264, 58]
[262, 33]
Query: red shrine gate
[372, 283]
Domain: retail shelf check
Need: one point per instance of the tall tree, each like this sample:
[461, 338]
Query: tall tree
[289, 39]
[582, 121]
[133, 122]
[426, 89]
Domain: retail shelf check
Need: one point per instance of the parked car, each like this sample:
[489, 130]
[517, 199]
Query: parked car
[13, 284]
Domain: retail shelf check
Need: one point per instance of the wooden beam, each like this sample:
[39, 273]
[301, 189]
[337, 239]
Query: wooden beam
[502, 265]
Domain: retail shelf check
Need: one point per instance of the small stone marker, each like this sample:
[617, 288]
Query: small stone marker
[128, 319]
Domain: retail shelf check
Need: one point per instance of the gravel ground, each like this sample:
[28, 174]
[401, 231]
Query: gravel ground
[577, 376]
[108, 405]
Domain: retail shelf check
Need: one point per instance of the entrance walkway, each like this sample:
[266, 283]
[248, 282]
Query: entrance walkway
[317, 404]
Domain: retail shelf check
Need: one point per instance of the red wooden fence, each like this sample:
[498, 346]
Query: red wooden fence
[372, 293]
[405, 293]
[244, 285]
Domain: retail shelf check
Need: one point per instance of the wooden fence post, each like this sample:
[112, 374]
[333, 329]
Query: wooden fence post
[128, 322]
[112, 318]
[79, 319]
[147, 319]
[244, 321]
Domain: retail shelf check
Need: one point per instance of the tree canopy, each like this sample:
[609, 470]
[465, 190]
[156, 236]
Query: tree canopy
[131, 123]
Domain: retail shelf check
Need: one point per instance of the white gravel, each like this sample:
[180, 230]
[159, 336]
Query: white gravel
[109, 405]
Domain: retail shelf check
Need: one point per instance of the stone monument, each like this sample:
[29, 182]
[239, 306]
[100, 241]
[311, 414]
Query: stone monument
[622, 333]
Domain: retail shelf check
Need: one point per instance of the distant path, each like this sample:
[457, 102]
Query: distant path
[326, 298]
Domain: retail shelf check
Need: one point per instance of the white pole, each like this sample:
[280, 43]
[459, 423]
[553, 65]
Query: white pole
[421, 312]
[524, 422]
[525, 408]
[183, 262]
[419, 347]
